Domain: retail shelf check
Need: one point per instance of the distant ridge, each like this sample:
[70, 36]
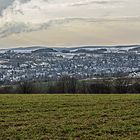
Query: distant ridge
[106, 46]
[86, 48]
[28, 48]
[44, 50]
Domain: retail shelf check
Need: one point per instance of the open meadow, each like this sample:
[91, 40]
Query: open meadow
[79, 117]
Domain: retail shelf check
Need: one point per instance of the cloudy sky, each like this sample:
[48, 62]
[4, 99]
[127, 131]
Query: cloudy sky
[69, 22]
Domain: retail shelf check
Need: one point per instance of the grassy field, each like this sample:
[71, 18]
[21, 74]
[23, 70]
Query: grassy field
[73, 117]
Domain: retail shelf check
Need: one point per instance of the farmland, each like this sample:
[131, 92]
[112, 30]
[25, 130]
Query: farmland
[79, 117]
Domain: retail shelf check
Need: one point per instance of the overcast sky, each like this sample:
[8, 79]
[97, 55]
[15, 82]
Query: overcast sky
[69, 22]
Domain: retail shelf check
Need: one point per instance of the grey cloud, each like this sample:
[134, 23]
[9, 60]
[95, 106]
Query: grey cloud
[24, 1]
[16, 28]
[4, 4]
[9, 29]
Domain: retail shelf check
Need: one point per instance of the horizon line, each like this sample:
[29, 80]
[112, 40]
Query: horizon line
[68, 46]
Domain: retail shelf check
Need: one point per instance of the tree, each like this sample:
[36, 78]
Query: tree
[25, 87]
[65, 84]
[121, 85]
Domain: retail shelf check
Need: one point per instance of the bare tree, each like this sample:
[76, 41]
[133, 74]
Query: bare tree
[121, 85]
[25, 87]
[65, 84]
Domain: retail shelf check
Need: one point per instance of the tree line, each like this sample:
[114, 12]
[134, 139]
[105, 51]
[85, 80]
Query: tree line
[71, 85]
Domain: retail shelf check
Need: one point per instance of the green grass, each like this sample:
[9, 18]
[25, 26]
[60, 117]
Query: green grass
[73, 117]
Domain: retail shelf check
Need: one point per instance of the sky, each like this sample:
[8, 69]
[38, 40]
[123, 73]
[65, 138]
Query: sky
[69, 22]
